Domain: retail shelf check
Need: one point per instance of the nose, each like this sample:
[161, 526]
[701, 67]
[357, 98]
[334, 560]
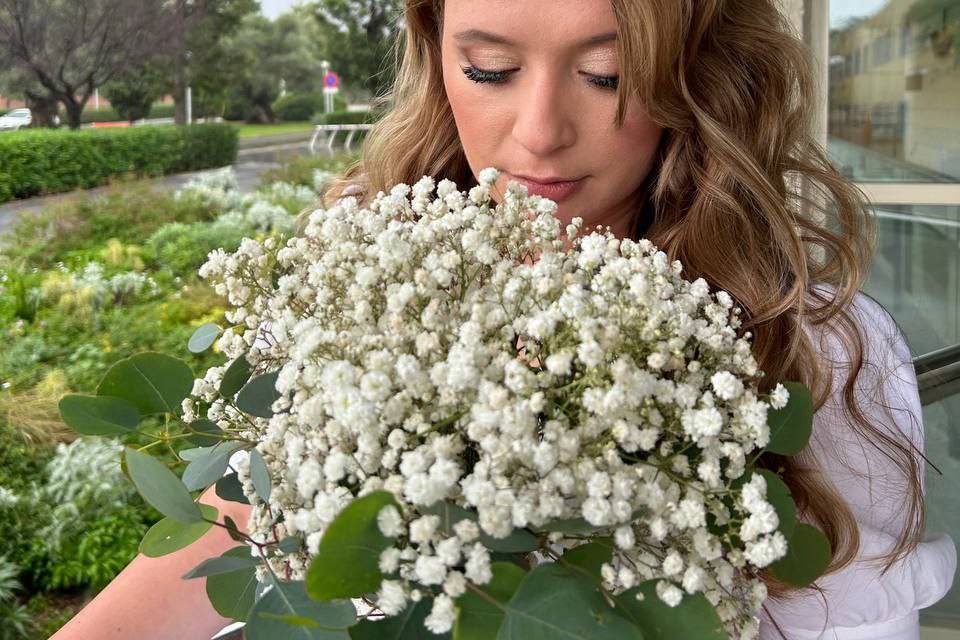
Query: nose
[543, 123]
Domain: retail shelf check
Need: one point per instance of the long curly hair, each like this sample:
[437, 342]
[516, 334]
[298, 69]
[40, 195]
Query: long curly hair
[741, 193]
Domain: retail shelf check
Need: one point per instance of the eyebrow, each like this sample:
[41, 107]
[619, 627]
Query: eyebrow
[478, 35]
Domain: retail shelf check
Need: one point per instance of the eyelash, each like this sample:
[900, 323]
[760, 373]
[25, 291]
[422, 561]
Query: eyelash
[497, 77]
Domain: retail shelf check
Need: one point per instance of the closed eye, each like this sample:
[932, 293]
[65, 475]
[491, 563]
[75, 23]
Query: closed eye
[497, 77]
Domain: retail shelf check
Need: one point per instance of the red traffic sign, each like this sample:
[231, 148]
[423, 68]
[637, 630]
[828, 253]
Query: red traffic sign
[331, 80]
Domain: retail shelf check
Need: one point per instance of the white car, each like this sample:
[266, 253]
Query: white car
[15, 119]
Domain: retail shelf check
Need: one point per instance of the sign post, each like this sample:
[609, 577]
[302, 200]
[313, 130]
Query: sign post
[331, 86]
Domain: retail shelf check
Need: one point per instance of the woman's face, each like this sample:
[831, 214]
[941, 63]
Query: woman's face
[532, 87]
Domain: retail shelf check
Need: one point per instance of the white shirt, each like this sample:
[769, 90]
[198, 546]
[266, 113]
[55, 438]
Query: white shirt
[861, 602]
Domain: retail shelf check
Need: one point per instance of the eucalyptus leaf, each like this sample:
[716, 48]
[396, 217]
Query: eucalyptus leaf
[229, 488]
[554, 602]
[791, 426]
[257, 396]
[209, 466]
[407, 625]
[576, 526]
[260, 475]
[347, 562]
[152, 382]
[203, 427]
[590, 557]
[232, 594]
[477, 617]
[98, 415]
[519, 540]
[285, 612]
[694, 617]
[204, 337]
[236, 375]
[808, 556]
[169, 535]
[160, 487]
[233, 530]
[778, 495]
[290, 544]
[222, 564]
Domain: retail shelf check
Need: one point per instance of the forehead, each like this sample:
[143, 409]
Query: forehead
[529, 24]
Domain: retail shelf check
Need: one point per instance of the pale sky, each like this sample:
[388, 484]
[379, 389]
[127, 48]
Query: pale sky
[843, 10]
[273, 8]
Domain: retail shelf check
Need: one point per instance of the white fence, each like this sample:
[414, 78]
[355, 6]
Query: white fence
[331, 131]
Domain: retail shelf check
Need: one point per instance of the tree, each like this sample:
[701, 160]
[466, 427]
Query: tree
[196, 49]
[261, 54]
[70, 47]
[133, 93]
[42, 104]
[361, 35]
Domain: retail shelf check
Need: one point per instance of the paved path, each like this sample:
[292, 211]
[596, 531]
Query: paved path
[256, 155]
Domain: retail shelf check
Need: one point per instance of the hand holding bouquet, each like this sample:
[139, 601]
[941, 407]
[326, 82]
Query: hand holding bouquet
[448, 414]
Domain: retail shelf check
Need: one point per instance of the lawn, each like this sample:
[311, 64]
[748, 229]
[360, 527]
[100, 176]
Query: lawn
[256, 130]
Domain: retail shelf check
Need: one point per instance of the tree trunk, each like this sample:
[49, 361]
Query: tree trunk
[43, 109]
[74, 111]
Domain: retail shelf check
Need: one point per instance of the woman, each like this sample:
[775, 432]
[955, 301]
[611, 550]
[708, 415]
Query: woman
[688, 122]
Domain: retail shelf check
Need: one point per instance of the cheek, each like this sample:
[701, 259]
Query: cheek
[630, 150]
[481, 117]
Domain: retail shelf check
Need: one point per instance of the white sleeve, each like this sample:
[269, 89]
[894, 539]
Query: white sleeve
[862, 601]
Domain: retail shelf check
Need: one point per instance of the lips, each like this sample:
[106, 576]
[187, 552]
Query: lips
[557, 189]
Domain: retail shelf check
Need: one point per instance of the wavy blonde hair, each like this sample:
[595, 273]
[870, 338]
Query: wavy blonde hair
[741, 193]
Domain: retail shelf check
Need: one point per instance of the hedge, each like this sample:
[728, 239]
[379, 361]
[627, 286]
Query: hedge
[109, 114]
[40, 161]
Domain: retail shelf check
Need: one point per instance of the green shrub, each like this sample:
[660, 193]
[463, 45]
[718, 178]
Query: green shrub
[183, 248]
[346, 117]
[14, 618]
[128, 213]
[99, 553]
[41, 161]
[297, 107]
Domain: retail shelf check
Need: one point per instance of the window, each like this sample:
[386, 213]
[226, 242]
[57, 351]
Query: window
[892, 73]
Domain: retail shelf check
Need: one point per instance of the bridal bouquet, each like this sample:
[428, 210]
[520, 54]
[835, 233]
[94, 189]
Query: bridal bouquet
[451, 415]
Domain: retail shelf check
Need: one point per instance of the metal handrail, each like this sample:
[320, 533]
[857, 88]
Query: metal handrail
[938, 374]
[332, 130]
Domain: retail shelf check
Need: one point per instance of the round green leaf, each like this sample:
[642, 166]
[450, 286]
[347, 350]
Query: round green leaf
[203, 337]
[209, 466]
[407, 625]
[347, 563]
[808, 556]
[204, 426]
[235, 377]
[779, 497]
[590, 557]
[223, 564]
[260, 475]
[152, 382]
[285, 612]
[169, 535]
[477, 617]
[554, 602]
[98, 415]
[160, 487]
[694, 617]
[229, 488]
[232, 594]
[258, 395]
[791, 426]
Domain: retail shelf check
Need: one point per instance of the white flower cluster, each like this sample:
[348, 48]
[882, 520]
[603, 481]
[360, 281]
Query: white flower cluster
[271, 208]
[446, 348]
